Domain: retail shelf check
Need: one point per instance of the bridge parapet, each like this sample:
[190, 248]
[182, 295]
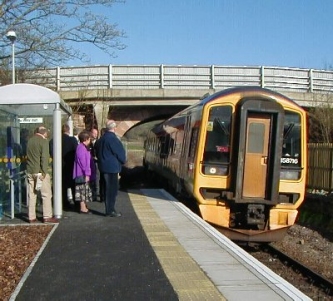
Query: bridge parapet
[146, 77]
[114, 86]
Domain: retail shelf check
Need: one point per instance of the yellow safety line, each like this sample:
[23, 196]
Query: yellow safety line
[184, 274]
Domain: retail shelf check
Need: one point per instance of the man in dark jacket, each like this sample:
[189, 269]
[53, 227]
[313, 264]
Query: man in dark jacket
[69, 145]
[101, 178]
[111, 156]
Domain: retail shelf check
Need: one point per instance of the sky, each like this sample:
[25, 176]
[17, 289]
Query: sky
[284, 33]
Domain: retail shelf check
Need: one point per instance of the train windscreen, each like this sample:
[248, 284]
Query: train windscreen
[216, 155]
[291, 148]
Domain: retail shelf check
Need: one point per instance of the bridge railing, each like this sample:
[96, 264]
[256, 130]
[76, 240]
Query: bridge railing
[181, 77]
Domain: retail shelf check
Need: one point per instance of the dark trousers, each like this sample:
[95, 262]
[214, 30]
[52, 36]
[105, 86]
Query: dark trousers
[101, 188]
[111, 191]
[93, 187]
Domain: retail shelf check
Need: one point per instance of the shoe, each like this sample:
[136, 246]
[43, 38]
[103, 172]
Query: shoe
[51, 220]
[32, 221]
[115, 214]
[85, 212]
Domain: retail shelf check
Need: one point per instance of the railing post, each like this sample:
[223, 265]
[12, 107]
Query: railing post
[311, 80]
[162, 76]
[58, 79]
[110, 76]
[262, 77]
[212, 76]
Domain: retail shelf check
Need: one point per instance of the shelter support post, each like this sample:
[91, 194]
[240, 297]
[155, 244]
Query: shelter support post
[57, 163]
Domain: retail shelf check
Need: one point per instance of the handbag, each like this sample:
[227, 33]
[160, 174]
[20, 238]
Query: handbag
[80, 180]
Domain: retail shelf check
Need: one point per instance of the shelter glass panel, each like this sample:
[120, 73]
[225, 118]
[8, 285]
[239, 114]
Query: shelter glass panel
[17, 124]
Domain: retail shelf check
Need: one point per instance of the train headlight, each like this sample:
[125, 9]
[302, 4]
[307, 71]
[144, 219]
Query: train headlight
[212, 170]
[215, 170]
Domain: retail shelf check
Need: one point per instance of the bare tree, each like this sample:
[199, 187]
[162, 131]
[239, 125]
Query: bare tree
[49, 31]
[321, 120]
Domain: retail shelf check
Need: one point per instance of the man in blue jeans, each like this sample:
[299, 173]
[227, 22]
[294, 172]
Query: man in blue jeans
[110, 157]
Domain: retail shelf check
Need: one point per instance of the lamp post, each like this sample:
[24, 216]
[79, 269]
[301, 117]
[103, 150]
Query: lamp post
[11, 36]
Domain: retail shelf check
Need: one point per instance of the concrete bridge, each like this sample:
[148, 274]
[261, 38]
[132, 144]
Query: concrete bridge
[133, 94]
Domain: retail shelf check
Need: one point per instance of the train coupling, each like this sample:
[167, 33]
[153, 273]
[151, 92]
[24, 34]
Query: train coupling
[255, 214]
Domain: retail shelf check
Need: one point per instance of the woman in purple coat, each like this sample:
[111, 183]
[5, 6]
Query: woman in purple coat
[84, 172]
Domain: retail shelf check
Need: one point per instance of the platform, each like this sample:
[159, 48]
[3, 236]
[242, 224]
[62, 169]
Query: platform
[158, 250]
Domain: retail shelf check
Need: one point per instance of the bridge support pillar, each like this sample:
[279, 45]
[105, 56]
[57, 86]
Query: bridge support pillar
[101, 111]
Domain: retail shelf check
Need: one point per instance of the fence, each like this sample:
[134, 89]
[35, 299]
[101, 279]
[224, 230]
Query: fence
[181, 77]
[320, 167]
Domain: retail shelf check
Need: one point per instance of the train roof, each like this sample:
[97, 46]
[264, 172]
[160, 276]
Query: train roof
[243, 89]
[207, 98]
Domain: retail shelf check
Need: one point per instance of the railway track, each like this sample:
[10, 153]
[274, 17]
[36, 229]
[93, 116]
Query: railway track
[313, 276]
[307, 280]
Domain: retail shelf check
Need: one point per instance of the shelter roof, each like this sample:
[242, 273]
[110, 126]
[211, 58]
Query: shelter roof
[29, 99]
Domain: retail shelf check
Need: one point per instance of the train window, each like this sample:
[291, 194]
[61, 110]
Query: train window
[256, 138]
[173, 147]
[164, 150]
[291, 148]
[193, 142]
[217, 153]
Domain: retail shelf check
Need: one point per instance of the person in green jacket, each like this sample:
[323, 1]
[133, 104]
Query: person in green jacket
[37, 175]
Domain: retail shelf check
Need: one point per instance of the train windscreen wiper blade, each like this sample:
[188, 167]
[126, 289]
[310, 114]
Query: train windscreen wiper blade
[288, 131]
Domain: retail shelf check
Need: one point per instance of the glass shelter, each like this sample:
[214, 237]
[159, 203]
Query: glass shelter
[24, 107]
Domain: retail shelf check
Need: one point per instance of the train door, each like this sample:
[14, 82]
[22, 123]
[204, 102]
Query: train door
[256, 156]
[257, 143]
[184, 152]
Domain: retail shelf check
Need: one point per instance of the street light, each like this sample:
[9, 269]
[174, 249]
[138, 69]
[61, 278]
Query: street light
[11, 36]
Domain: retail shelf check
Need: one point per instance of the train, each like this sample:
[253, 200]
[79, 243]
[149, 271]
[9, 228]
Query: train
[240, 156]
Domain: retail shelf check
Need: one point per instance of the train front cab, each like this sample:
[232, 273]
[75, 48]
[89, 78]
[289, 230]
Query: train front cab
[262, 188]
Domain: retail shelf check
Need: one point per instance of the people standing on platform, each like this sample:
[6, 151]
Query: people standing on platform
[101, 177]
[111, 156]
[94, 135]
[83, 172]
[69, 145]
[93, 184]
[38, 178]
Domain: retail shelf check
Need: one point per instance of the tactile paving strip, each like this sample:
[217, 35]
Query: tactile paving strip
[186, 277]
